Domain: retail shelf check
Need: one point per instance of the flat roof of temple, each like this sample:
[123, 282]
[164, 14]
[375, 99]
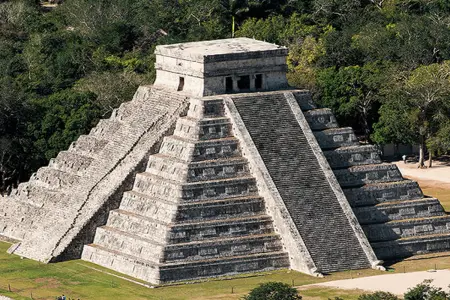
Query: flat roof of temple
[221, 50]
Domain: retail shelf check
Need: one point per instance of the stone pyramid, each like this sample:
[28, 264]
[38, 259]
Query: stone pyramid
[220, 168]
[194, 212]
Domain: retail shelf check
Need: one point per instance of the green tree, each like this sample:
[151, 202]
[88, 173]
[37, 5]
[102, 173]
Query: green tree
[59, 119]
[440, 142]
[420, 102]
[353, 93]
[273, 291]
[425, 291]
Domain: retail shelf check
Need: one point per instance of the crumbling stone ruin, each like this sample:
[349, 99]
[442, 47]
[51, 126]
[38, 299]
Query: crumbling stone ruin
[218, 169]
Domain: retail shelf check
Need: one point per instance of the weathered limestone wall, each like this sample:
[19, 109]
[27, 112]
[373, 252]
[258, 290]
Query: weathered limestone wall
[100, 167]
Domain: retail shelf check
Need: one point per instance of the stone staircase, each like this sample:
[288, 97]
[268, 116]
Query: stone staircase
[195, 212]
[318, 215]
[76, 190]
[398, 220]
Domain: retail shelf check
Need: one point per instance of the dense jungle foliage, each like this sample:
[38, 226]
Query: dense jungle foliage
[383, 66]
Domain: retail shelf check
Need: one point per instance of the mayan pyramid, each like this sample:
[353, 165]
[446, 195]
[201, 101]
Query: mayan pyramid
[220, 168]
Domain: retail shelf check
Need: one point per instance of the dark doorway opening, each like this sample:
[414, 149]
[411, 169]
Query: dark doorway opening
[181, 84]
[258, 82]
[228, 84]
[244, 82]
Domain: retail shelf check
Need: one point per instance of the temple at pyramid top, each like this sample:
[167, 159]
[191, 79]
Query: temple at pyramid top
[221, 66]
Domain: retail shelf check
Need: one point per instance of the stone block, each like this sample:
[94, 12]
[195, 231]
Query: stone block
[391, 211]
[383, 192]
[227, 228]
[412, 246]
[320, 119]
[336, 137]
[220, 209]
[407, 228]
[221, 248]
[367, 174]
[352, 156]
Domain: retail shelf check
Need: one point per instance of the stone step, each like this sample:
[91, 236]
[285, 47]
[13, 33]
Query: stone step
[372, 194]
[406, 247]
[398, 210]
[53, 179]
[42, 197]
[88, 145]
[345, 157]
[204, 129]
[336, 137]
[224, 266]
[219, 229]
[158, 187]
[137, 224]
[121, 262]
[366, 174]
[72, 163]
[407, 228]
[201, 108]
[105, 129]
[167, 166]
[175, 169]
[304, 100]
[320, 119]
[163, 210]
[220, 189]
[151, 207]
[223, 168]
[187, 232]
[131, 244]
[220, 209]
[155, 186]
[149, 271]
[222, 248]
[192, 150]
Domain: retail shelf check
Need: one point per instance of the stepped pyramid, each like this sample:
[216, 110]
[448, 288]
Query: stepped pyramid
[218, 169]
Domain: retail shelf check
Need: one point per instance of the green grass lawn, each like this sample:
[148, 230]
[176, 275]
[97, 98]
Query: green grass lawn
[442, 194]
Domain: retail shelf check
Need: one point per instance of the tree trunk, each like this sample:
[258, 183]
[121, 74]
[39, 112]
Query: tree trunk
[430, 160]
[421, 153]
[232, 26]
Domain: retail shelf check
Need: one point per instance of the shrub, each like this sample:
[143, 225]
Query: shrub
[273, 291]
[378, 296]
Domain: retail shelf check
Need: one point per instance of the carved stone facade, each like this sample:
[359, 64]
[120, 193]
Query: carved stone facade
[220, 169]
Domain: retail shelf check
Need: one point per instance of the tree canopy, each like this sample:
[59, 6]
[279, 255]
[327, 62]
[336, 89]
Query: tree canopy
[382, 66]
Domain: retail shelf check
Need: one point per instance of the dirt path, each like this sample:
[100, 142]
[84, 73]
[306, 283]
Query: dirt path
[439, 172]
[394, 283]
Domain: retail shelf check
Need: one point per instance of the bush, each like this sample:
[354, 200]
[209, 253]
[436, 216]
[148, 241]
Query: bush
[273, 291]
[378, 296]
[424, 291]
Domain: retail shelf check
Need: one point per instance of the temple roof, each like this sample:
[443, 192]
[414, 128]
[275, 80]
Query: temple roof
[221, 50]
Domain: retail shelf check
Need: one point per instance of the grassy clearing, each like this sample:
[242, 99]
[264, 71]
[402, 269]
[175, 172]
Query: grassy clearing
[442, 193]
